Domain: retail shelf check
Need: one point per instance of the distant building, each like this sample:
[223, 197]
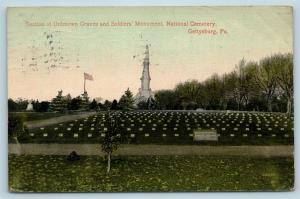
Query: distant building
[29, 106]
[145, 91]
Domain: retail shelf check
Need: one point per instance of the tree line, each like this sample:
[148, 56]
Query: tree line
[266, 85]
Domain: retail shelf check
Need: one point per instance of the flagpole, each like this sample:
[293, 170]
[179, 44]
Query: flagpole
[84, 84]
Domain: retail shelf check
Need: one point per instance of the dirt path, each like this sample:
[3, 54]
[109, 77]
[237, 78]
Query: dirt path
[55, 120]
[95, 149]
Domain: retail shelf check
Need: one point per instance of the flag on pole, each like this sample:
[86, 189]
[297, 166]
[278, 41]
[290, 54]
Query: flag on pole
[88, 76]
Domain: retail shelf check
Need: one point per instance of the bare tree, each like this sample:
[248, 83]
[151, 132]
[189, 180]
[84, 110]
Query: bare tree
[111, 139]
[266, 78]
[284, 74]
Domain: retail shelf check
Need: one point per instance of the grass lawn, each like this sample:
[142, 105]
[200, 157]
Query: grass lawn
[149, 173]
[31, 116]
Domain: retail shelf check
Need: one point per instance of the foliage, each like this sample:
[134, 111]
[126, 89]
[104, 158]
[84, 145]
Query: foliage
[106, 105]
[268, 82]
[94, 105]
[16, 126]
[126, 101]
[114, 105]
[17, 105]
[112, 137]
[75, 104]
[167, 100]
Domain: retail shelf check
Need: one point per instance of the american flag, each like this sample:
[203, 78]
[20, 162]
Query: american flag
[88, 76]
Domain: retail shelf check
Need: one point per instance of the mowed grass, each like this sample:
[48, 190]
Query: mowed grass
[149, 174]
[158, 127]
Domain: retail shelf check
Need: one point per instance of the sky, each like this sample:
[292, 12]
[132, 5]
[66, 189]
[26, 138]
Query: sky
[43, 59]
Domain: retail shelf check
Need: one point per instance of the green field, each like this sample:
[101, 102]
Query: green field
[162, 127]
[149, 173]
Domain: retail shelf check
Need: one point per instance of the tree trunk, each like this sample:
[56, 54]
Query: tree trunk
[18, 145]
[108, 162]
[289, 106]
[269, 105]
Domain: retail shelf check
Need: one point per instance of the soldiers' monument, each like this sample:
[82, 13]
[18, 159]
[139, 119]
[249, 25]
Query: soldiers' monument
[145, 91]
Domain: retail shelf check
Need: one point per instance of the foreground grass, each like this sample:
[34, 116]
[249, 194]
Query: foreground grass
[149, 173]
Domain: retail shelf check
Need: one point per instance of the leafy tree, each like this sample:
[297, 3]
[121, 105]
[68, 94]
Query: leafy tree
[16, 126]
[75, 103]
[107, 104]
[12, 105]
[167, 99]
[126, 101]
[142, 105]
[215, 93]
[111, 139]
[114, 105]
[44, 106]
[35, 105]
[189, 92]
[93, 105]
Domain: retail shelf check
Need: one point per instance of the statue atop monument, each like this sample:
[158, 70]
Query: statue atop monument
[145, 91]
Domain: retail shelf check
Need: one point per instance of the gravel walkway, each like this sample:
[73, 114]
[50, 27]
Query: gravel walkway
[95, 149]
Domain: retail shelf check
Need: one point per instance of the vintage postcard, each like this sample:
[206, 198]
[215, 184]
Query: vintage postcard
[150, 99]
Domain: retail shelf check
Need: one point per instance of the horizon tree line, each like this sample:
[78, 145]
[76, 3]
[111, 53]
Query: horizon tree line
[265, 85]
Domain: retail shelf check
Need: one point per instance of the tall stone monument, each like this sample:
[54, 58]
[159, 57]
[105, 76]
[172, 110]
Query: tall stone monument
[145, 91]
